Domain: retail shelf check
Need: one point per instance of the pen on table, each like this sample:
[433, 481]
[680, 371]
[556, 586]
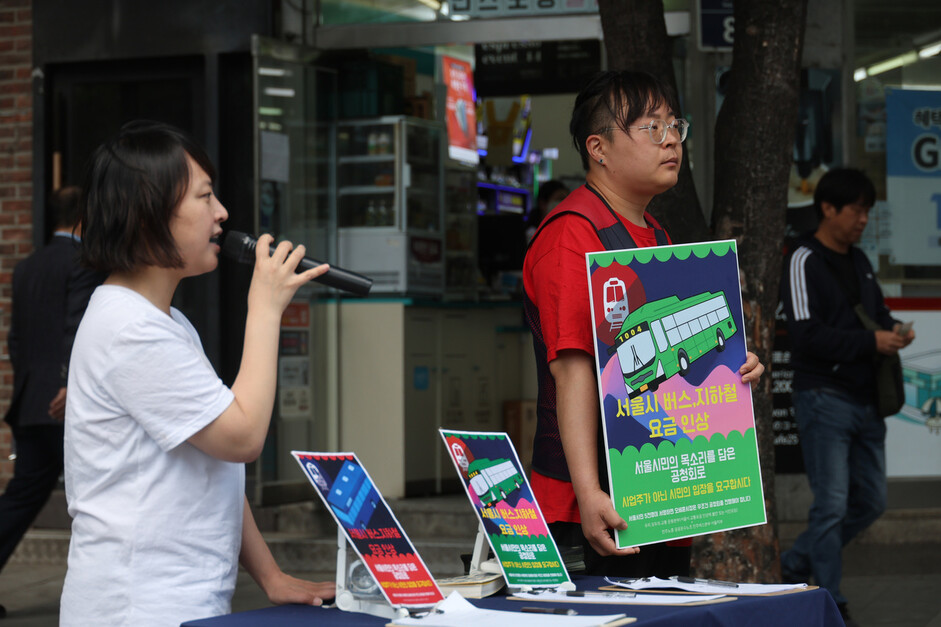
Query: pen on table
[710, 582]
[607, 595]
[549, 610]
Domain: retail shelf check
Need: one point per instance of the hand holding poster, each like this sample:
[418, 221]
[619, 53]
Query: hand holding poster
[678, 422]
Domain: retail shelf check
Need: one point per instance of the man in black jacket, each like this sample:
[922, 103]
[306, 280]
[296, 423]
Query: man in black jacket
[833, 355]
[50, 292]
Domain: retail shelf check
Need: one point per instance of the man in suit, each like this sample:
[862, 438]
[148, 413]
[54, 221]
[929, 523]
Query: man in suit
[50, 292]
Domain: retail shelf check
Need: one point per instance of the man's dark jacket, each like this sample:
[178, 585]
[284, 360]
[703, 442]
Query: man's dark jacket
[50, 292]
[830, 348]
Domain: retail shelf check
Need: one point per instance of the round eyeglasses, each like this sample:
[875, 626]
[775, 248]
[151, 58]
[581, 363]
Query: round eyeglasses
[657, 129]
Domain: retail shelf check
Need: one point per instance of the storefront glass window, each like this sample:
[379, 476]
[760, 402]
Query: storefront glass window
[295, 111]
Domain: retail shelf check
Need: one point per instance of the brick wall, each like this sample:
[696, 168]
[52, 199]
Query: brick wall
[16, 174]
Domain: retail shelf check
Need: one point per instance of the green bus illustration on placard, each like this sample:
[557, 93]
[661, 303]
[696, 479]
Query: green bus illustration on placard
[492, 480]
[663, 337]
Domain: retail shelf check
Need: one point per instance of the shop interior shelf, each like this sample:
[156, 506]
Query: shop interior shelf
[356, 190]
[367, 159]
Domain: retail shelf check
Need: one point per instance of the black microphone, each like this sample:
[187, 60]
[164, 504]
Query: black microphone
[241, 247]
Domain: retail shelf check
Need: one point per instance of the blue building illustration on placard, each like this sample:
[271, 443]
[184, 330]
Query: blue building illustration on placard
[353, 497]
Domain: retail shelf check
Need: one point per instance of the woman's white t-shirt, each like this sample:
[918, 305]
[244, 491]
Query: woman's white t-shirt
[157, 523]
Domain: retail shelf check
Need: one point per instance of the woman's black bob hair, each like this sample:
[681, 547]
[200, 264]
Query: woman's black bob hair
[135, 181]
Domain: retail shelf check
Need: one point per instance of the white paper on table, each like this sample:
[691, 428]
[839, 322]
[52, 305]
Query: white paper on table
[655, 583]
[617, 598]
[456, 611]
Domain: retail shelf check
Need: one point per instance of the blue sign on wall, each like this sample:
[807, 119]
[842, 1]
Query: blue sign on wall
[913, 181]
[914, 133]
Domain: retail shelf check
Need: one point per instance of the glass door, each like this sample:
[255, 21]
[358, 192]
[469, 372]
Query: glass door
[295, 149]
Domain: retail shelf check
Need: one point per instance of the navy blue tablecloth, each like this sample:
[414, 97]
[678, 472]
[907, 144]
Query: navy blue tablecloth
[812, 608]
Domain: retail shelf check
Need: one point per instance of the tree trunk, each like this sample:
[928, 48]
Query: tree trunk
[635, 38]
[754, 138]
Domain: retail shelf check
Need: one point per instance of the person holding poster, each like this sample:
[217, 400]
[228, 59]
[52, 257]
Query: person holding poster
[155, 443]
[625, 128]
[842, 434]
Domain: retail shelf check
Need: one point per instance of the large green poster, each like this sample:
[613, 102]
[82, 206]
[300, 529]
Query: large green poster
[678, 422]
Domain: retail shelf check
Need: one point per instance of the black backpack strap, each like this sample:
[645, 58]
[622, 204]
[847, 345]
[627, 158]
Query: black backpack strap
[661, 236]
[616, 236]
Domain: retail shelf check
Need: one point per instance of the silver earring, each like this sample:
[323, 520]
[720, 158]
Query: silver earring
[600, 161]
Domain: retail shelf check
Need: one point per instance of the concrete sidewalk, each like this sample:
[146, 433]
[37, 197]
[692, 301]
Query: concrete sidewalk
[899, 587]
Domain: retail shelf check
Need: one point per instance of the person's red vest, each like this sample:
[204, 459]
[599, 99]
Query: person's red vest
[548, 457]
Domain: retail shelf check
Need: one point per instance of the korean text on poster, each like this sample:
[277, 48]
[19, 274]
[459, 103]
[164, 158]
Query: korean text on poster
[461, 115]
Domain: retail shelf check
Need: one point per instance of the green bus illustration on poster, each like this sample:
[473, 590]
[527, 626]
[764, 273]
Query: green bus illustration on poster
[493, 480]
[679, 429]
[662, 338]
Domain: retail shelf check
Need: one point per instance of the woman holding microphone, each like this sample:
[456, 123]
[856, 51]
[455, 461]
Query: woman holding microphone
[155, 443]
